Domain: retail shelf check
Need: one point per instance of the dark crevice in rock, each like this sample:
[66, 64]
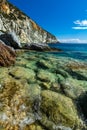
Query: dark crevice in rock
[12, 75]
[82, 102]
[41, 65]
[62, 73]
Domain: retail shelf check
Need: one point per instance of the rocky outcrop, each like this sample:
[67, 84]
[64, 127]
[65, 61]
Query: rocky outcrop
[10, 39]
[37, 47]
[24, 27]
[40, 47]
[7, 55]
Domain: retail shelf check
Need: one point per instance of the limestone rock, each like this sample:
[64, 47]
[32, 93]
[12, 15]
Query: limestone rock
[25, 28]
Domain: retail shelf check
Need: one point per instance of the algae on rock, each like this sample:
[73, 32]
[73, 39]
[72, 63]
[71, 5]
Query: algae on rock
[34, 98]
[59, 109]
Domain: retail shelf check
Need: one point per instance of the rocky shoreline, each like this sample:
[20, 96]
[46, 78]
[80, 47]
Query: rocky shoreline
[43, 92]
[38, 91]
[9, 43]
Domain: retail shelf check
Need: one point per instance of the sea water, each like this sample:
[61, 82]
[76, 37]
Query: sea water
[71, 50]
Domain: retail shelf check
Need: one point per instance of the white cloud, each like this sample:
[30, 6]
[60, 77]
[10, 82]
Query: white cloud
[79, 28]
[81, 22]
[81, 25]
[73, 40]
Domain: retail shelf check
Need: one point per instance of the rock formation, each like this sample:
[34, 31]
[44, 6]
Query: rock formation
[37, 47]
[7, 55]
[12, 19]
[4, 8]
[10, 39]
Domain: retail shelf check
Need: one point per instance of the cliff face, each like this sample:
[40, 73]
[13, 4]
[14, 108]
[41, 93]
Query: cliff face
[25, 28]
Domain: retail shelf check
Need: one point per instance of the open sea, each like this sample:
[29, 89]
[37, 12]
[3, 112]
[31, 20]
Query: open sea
[73, 50]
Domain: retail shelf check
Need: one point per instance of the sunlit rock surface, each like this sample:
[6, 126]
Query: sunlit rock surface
[24, 27]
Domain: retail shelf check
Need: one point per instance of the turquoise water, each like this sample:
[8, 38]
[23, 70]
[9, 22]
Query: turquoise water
[76, 51]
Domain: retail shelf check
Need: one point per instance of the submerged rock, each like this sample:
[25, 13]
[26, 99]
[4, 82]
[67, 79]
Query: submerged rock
[19, 104]
[73, 88]
[46, 76]
[22, 73]
[59, 109]
[44, 64]
[40, 93]
[34, 127]
[7, 55]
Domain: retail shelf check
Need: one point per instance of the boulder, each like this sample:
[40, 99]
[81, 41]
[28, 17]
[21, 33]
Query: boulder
[11, 39]
[7, 55]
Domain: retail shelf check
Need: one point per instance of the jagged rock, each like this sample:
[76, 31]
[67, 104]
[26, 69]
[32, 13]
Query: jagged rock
[25, 28]
[7, 55]
[11, 39]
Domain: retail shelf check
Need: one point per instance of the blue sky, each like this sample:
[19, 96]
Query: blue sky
[66, 19]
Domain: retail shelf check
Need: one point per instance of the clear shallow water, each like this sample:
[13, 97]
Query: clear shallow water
[76, 51]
